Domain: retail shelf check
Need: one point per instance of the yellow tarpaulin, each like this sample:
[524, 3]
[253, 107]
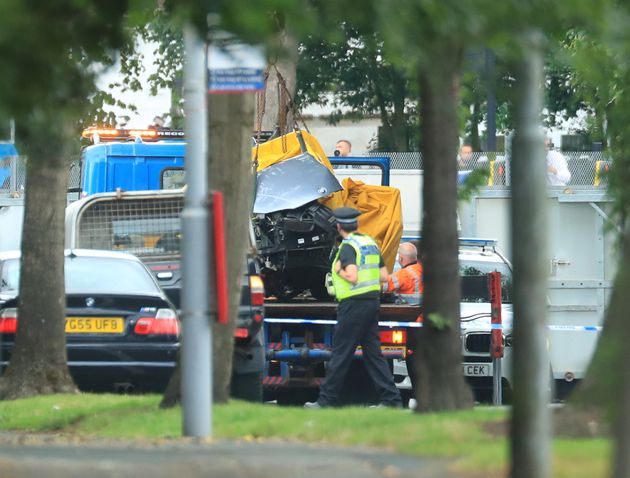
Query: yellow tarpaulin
[381, 212]
[287, 147]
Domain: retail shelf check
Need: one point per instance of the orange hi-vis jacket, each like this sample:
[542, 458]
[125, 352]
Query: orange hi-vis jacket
[407, 282]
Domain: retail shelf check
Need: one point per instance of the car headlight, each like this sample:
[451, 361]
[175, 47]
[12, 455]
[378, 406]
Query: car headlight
[508, 340]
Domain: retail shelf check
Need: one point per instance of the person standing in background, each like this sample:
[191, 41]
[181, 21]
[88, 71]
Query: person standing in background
[465, 159]
[558, 173]
[343, 148]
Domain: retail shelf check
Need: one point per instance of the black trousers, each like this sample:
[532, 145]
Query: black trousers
[357, 324]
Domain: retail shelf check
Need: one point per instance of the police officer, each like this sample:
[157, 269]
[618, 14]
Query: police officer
[357, 271]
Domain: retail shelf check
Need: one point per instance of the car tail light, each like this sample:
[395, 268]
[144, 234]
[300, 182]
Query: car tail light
[164, 323]
[241, 333]
[257, 290]
[393, 337]
[8, 321]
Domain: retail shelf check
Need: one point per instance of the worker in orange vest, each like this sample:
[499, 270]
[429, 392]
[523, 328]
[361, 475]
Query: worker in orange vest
[407, 281]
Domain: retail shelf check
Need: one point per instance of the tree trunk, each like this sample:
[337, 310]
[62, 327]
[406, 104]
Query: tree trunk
[173, 393]
[531, 431]
[230, 122]
[231, 125]
[475, 119]
[617, 373]
[438, 360]
[275, 103]
[399, 118]
[39, 361]
[232, 119]
[606, 387]
[394, 132]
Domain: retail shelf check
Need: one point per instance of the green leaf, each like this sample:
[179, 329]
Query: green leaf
[438, 321]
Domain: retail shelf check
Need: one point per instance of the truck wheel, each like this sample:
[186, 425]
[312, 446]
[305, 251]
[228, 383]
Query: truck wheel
[296, 397]
[248, 387]
[318, 287]
[319, 292]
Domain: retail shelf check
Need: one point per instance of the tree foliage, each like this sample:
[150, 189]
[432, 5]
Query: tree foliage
[49, 50]
[352, 75]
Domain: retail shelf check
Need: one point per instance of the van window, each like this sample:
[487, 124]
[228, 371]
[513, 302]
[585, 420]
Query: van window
[474, 277]
[173, 178]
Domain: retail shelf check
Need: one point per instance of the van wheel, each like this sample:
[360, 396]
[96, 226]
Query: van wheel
[247, 386]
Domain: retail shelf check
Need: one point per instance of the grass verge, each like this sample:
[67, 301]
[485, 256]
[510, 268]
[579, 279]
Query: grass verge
[459, 435]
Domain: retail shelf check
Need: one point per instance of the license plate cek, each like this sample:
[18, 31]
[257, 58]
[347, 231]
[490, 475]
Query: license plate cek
[477, 370]
[95, 325]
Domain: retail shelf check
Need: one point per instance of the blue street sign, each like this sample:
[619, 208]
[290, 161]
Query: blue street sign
[234, 67]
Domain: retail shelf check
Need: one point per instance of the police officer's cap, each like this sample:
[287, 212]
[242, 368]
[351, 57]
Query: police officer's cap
[346, 215]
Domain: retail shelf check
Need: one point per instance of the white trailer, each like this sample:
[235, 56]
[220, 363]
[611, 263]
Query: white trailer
[11, 216]
[582, 265]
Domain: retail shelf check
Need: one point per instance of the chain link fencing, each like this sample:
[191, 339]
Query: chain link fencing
[74, 174]
[588, 169]
[13, 175]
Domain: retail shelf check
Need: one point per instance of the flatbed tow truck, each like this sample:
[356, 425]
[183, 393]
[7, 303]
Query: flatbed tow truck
[298, 335]
[298, 338]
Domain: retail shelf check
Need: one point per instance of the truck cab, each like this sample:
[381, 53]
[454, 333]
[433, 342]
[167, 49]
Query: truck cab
[8, 173]
[132, 160]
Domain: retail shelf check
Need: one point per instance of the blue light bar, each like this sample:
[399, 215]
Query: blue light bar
[463, 241]
[477, 242]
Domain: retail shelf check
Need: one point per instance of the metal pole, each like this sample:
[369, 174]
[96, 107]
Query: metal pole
[491, 142]
[531, 431]
[196, 353]
[13, 164]
[496, 342]
[497, 389]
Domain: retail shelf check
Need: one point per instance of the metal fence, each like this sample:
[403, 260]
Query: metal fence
[588, 168]
[74, 174]
[146, 227]
[12, 174]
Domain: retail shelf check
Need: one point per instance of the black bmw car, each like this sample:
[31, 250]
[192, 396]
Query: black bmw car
[122, 331]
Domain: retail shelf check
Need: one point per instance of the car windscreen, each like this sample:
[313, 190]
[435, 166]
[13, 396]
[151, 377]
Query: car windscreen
[474, 277]
[94, 275]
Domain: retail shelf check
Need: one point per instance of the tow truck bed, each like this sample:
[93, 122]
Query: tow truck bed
[314, 309]
[298, 339]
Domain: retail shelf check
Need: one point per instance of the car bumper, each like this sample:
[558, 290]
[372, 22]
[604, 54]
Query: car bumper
[97, 365]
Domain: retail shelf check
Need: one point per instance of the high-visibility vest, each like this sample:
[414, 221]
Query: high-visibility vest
[368, 259]
[408, 283]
